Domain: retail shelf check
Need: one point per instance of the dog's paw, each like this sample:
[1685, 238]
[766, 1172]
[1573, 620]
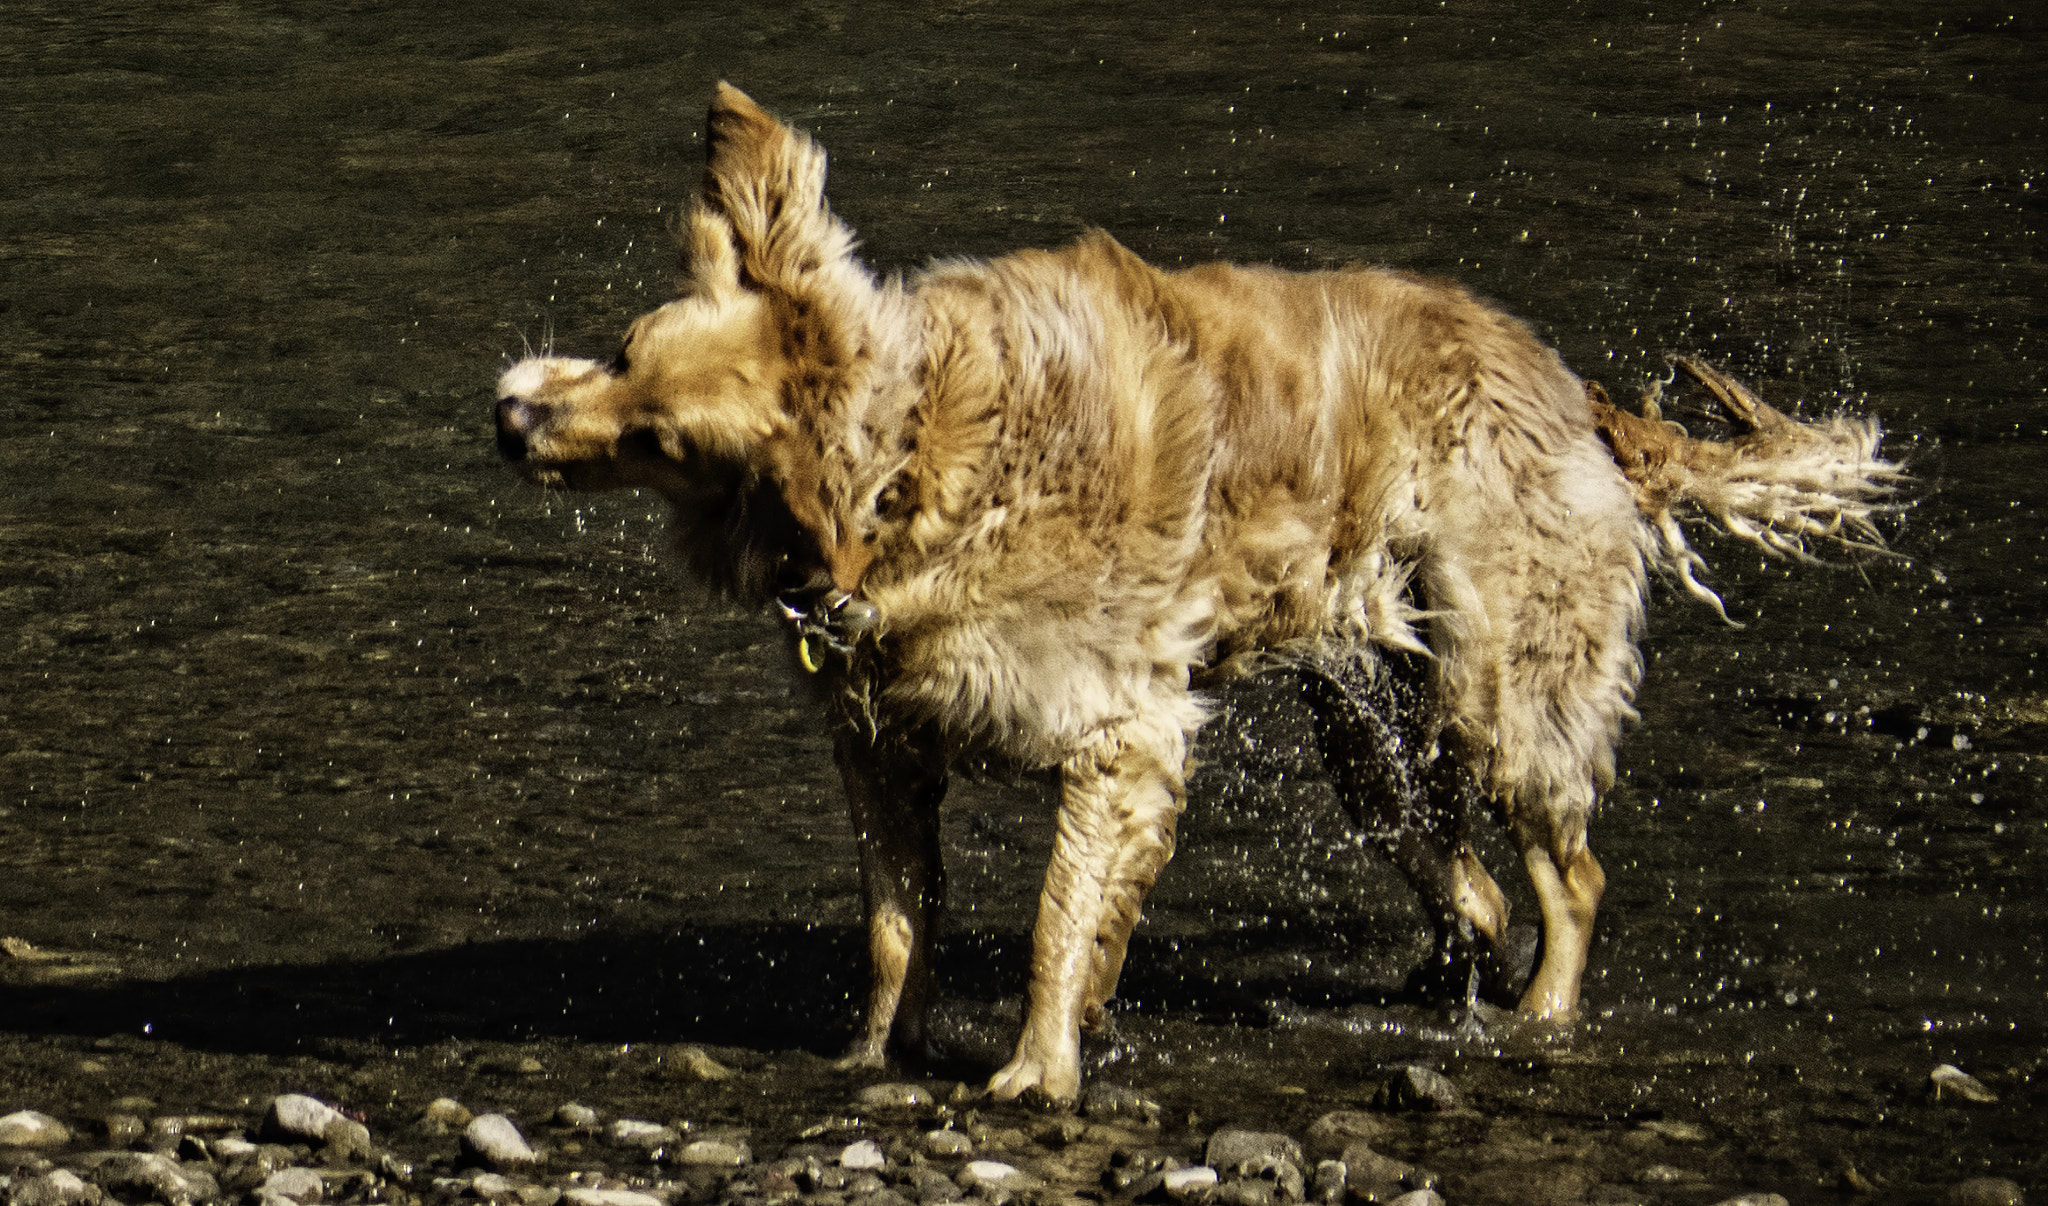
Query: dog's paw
[1035, 1080]
[864, 1056]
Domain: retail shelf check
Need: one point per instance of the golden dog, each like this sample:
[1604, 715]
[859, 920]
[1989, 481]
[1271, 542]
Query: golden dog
[1023, 508]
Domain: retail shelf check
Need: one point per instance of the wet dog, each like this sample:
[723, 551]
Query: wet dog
[1028, 507]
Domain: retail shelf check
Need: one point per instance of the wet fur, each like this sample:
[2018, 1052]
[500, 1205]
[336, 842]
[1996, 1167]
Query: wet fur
[1064, 488]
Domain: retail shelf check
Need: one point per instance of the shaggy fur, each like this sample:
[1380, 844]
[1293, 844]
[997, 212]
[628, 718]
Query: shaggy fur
[1024, 507]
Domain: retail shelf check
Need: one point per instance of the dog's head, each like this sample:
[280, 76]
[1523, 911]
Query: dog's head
[731, 401]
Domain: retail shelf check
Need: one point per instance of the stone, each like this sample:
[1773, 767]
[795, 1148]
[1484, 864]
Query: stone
[1950, 1083]
[1232, 1149]
[638, 1132]
[609, 1197]
[58, 1187]
[1101, 1100]
[866, 1154]
[576, 1116]
[301, 1185]
[446, 1112]
[1329, 1135]
[1418, 1197]
[933, 1187]
[994, 1174]
[895, 1097]
[1414, 1087]
[1986, 1191]
[1243, 1192]
[27, 1128]
[497, 1143]
[1191, 1181]
[1372, 1177]
[1754, 1199]
[123, 1129]
[348, 1142]
[1135, 1172]
[947, 1144]
[694, 1063]
[245, 1173]
[1665, 1174]
[150, 1174]
[167, 1131]
[393, 1167]
[714, 1153]
[1267, 1156]
[297, 1116]
[496, 1188]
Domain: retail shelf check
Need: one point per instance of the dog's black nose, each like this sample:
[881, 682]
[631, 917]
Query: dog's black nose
[515, 418]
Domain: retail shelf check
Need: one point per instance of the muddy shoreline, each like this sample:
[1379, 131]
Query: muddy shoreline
[1524, 1121]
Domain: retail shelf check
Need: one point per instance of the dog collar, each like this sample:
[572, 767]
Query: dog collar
[833, 623]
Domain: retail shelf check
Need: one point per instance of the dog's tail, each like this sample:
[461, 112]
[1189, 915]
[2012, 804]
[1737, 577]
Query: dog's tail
[1778, 482]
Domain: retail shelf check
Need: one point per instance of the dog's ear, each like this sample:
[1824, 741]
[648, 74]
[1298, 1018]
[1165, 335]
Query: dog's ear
[768, 182]
[711, 261]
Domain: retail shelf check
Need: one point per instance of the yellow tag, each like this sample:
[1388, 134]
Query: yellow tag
[813, 661]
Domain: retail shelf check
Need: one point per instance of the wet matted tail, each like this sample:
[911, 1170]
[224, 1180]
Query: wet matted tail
[1779, 482]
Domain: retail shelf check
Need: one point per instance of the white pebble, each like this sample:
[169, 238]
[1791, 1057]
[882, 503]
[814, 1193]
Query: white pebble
[495, 1140]
[864, 1155]
[298, 1114]
[1189, 1181]
[26, 1128]
[638, 1132]
[994, 1174]
[609, 1197]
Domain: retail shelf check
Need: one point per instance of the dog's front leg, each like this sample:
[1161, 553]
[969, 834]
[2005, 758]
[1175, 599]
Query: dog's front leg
[894, 786]
[1118, 804]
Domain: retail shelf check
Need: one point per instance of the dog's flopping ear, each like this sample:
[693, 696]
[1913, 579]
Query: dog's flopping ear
[711, 261]
[768, 182]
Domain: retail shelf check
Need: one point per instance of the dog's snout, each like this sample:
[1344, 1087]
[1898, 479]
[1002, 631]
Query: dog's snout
[516, 418]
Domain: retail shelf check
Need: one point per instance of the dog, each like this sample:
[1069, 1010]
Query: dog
[1028, 508]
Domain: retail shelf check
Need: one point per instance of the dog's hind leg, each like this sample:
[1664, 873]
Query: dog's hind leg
[894, 786]
[1119, 801]
[1412, 801]
[1535, 580]
[1568, 885]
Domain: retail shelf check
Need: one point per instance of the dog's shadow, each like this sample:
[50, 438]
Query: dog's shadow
[770, 986]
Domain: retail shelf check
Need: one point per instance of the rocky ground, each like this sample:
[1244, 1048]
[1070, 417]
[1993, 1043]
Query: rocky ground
[682, 1124]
